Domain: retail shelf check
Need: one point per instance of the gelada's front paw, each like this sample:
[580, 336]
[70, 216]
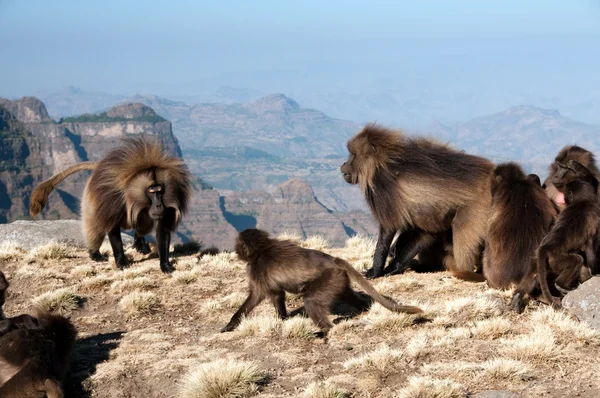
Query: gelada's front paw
[372, 273]
[167, 267]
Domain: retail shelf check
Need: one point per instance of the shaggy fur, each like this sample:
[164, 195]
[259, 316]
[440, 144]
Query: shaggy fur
[116, 196]
[567, 255]
[33, 362]
[418, 183]
[279, 266]
[571, 152]
[522, 215]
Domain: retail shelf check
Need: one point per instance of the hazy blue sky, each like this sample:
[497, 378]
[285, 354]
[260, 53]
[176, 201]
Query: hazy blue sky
[176, 47]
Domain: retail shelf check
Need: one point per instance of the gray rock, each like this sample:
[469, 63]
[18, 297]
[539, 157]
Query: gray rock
[31, 234]
[584, 302]
[496, 394]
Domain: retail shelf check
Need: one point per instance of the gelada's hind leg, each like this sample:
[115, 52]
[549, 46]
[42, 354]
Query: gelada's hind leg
[321, 294]
[94, 239]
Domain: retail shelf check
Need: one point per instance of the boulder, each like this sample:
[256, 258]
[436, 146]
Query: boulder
[31, 234]
[584, 302]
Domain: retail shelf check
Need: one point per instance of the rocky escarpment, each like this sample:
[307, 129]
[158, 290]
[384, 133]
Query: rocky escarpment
[100, 132]
[293, 207]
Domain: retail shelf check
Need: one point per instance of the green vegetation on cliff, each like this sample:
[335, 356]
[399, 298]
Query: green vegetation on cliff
[104, 118]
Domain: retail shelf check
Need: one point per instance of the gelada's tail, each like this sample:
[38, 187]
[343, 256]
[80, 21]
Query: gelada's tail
[39, 196]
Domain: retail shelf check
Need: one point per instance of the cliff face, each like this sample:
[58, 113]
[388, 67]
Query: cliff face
[293, 207]
[34, 147]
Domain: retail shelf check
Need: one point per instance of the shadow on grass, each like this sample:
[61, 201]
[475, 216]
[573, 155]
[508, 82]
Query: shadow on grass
[87, 354]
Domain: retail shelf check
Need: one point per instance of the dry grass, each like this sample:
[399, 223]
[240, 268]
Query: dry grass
[61, 301]
[260, 325]
[138, 283]
[539, 345]
[324, 389]
[467, 341]
[427, 387]
[293, 236]
[298, 328]
[139, 303]
[222, 379]
[51, 251]
[315, 242]
[382, 359]
[500, 369]
[10, 250]
[184, 277]
[566, 329]
[96, 282]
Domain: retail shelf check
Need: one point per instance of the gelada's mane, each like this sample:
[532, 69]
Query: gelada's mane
[121, 178]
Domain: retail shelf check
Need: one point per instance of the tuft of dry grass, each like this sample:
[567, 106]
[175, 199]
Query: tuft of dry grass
[427, 387]
[383, 320]
[51, 251]
[223, 260]
[499, 369]
[139, 303]
[491, 328]
[184, 277]
[293, 236]
[298, 328]
[83, 271]
[62, 301]
[567, 330]
[324, 389]
[96, 282]
[382, 358]
[222, 378]
[139, 283]
[10, 250]
[315, 242]
[260, 325]
[503, 369]
[467, 309]
[539, 345]
[139, 271]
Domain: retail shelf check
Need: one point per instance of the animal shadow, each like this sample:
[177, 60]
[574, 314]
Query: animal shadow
[342, 309]
[87, 354]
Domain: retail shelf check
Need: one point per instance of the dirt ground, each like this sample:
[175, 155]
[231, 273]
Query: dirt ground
[146, 334]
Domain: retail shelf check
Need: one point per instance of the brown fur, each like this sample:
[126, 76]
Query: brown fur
[522, 215]
[418, 183]
[279, 266]
[116, 196]
[571, 152]
[565, 251]
[33, 363]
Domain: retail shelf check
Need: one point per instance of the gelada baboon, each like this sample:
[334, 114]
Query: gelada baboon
[571, 152]
[279, 266]
[21, 321]
[521, 216]
[136, 186]
[568, 252]
[420, 184]
[33, 362]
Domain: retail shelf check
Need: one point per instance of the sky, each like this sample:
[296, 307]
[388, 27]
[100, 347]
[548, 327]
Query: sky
[178, 47]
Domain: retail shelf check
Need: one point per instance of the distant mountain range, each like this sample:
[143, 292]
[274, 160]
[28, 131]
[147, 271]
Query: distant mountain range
[244, 142]
[525, 134]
